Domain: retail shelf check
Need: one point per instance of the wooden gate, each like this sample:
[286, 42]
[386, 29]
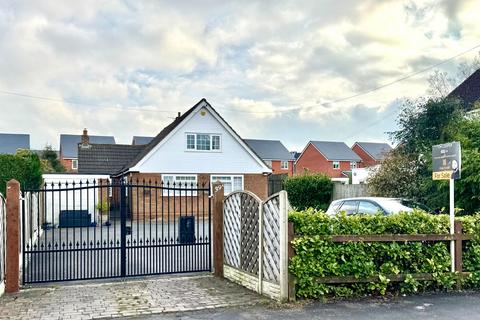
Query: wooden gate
[256, 242]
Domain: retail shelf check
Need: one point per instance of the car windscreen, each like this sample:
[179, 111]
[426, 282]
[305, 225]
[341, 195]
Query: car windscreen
[394, 206]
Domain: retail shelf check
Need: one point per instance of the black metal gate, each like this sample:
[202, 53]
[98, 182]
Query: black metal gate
[100, 229]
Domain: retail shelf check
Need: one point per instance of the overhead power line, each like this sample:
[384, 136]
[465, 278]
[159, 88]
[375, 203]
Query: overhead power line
[143, 109]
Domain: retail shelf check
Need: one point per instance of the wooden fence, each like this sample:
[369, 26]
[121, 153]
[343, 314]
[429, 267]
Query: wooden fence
[458, 237]
[341, 191]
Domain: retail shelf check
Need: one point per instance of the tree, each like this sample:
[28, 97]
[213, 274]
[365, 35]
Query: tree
[399, 176]
[425, 123]
[407, 171]
[50, 161]
[441, 83]
[24, 166]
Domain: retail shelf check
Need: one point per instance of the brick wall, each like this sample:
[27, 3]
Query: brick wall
[67, 164]
[149, 203]
[367, 160]
[277, 168]
[314, 161]
[256, 183]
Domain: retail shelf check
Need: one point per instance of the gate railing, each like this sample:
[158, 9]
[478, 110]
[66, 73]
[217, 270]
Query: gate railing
[101, 229]
[256, 242]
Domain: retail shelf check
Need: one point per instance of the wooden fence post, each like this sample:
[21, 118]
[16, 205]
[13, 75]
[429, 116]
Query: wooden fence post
[12, 271]
[218, 196]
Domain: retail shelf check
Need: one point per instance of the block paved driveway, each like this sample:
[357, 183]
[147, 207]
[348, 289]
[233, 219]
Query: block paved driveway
[132, 297]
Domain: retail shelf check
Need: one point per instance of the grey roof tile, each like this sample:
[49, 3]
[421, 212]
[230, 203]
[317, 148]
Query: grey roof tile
[139, 140]
[269, 149]
[106, 158]
[336, 151]
[10, 142]
[69, 143]
[377, 150]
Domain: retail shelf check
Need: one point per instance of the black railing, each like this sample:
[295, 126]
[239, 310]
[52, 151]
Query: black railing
[101, 229]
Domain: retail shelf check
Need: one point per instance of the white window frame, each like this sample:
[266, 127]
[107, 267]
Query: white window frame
[353, 165]
[212, 181]
[74, 164]
[336, 165]
[195, 142]
[282, 165]
[170, 193]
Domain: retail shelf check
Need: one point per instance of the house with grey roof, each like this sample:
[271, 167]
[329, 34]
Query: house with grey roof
[198, 147]
[274, 154]
[141, 140]
[372, 153]
[335, 159]
[69, 147]
[11, 142]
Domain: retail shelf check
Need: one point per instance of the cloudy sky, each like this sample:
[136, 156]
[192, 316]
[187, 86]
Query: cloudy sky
[273, 69]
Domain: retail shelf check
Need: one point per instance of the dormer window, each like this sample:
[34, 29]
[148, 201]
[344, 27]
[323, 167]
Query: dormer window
[203, 142]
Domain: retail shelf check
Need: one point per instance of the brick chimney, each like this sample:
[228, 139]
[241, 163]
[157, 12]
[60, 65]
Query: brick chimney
[85, 138]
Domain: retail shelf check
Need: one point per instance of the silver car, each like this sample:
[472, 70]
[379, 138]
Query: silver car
[374, 205]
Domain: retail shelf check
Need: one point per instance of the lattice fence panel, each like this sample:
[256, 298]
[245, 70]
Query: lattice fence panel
[249, 233]
[231, 220]
[271, 239]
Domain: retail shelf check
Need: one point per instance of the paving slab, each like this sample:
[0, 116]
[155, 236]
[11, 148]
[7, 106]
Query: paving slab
[135, 297]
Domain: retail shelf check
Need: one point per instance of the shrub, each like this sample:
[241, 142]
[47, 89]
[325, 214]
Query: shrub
[24, 166]
[309, 191]
[316, 256]
[103, 206]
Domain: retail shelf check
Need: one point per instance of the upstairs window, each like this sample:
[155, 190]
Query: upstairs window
[336, 165]
[203, 142]
[284, 165]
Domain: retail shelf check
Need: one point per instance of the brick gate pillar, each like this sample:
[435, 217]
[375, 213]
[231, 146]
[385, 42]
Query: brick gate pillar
[218, 196]
[12, 271]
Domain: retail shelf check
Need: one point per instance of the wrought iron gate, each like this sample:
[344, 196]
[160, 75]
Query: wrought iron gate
[99, 229]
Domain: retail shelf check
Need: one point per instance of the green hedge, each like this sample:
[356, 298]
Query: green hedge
[23, 166]
[309, 191]
[317, 257]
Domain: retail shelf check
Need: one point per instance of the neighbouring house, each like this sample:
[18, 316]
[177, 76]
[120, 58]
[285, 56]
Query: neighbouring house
[372, 153]
[468, 91]
[198, 147]
[334, 159]
[69, 147]
[139, 140]
[274, 154]
[11, 142]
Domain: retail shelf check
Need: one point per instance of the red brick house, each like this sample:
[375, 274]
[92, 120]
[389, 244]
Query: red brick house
[372, 153]
[274, 154]
[334, 159]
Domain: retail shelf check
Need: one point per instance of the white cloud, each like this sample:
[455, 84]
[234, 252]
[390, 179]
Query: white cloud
[264, 57]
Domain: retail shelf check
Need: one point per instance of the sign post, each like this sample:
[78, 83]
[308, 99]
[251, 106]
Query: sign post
[447, 164]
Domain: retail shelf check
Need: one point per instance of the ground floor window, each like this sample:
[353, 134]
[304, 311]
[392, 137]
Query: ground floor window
[182, 181]
[230, 183]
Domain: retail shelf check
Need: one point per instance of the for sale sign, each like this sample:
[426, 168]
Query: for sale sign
[447, 161]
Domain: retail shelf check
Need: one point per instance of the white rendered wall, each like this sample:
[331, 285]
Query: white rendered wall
[172, 156]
